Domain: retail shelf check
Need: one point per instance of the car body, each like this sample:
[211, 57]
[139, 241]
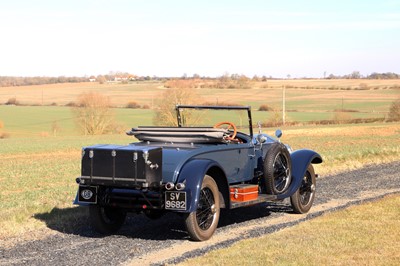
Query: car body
[194, 171]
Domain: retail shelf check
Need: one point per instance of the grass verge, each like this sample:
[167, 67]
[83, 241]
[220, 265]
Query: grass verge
[366, 234]
[37, 175]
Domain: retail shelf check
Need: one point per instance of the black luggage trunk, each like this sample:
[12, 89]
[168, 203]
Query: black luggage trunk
[122, 166]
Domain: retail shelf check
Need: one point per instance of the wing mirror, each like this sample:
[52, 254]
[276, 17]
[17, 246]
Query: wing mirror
[278, 133]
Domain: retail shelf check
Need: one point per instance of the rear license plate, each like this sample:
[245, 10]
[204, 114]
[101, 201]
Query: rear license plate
[87, 194]
[175, 200]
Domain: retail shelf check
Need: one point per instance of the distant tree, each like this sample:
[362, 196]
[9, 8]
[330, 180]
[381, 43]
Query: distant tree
[341, 117]
[264, 107]
[355, 75]
[235, 76]
[387, 75]
[93, 114]
[12, 101]
[224, 77]
[394, 111]
[196, 76]
[165, 114]
[243, 82]
[275, 119]
[55, 128]
[133, 105]
[101, 79]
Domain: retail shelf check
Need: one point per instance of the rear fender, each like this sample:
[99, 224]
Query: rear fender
[301, 159]
[192, 174]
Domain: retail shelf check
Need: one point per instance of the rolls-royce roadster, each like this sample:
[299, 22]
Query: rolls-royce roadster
[194, 171]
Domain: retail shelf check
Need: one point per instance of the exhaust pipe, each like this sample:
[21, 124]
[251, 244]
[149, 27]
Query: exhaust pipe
[169, 186]
[180, 186]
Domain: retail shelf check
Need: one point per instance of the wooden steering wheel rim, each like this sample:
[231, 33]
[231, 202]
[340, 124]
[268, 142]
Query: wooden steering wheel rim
[231, 125]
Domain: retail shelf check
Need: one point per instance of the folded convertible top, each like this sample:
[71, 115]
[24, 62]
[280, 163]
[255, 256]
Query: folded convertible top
[180, 134]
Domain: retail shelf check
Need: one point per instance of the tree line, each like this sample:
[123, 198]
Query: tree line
[358, 75]
[8, 81]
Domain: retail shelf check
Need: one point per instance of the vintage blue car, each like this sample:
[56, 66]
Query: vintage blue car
[194, 171]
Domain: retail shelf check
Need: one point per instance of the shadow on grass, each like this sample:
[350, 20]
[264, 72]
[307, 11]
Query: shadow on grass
[68, 220]
[170, 226]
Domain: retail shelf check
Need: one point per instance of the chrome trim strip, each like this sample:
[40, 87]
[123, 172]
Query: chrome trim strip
[111, 178]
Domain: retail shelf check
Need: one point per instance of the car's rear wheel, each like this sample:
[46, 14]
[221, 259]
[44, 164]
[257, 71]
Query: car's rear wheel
[106, 220]
[277, 169]
[202, 223]
[303, 198]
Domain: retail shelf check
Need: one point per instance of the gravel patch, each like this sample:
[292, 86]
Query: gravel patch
[141, 236]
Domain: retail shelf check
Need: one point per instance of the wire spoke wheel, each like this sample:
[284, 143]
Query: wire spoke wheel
[205, 212]
[306, 189]
[202, 223]
[277, 169]
[303, 198]
[281, 173]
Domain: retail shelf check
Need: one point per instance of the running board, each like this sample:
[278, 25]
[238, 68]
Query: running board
[260, 199]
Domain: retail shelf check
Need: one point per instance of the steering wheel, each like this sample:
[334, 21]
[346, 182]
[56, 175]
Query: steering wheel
[232, 136]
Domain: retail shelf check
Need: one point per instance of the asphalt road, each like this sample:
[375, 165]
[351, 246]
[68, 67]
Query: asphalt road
[143, 241]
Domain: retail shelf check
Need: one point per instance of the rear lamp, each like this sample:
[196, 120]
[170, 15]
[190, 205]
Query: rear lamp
[80, 181]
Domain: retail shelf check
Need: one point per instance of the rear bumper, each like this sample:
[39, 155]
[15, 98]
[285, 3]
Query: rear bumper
[129, 199]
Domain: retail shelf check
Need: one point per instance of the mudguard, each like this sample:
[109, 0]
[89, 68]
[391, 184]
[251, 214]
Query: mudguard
[192, 174]
[301, 159]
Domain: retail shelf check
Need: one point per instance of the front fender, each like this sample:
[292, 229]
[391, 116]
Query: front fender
[192, 174]
[301, 159]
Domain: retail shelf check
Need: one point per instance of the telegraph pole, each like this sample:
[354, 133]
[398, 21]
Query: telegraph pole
[283, 104]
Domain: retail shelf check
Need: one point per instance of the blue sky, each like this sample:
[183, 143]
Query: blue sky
[209, 38]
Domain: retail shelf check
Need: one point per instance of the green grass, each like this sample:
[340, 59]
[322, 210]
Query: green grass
[360, 235]
[24, 121]
[31, 120]
[38, 145]
[347, 147]
[310, 104]
[37, 174]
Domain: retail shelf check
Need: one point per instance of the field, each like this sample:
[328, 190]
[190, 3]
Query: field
[38, 164]
[360, 235]
[306, 101]
[37, 174]
[353, 93]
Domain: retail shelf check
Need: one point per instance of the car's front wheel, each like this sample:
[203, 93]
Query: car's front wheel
[303, 198]
[106, 220]
[202, 223]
